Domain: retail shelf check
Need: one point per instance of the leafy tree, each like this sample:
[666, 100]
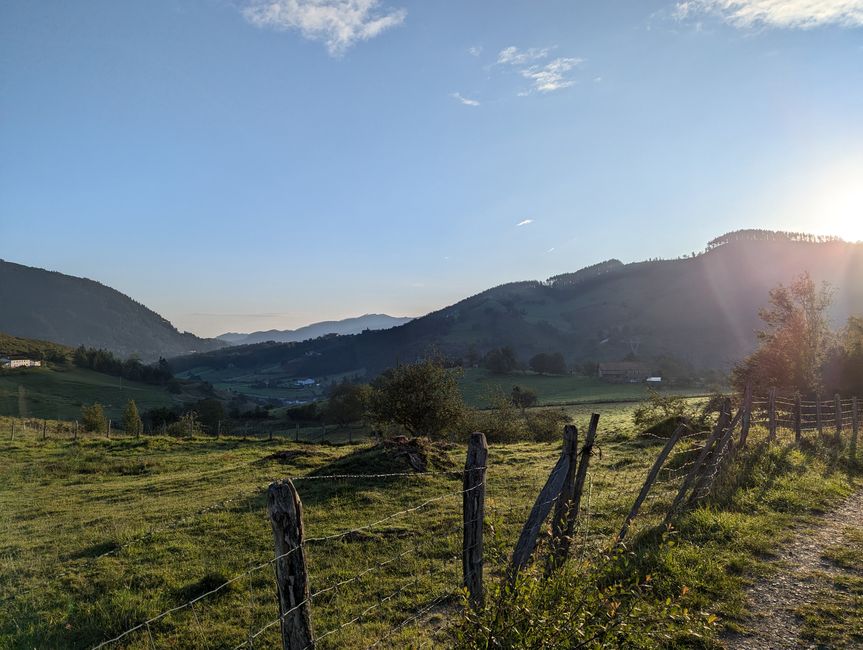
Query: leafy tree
[523, 398]
[187, 426]
[93, 418]
[850, 357]
[347, 403]
[132, 423]
[210, 411]
[548, 364]
[795, 343]
[501, 361]
[422, 398]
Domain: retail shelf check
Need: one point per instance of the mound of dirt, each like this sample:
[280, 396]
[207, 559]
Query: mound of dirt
[392, 456]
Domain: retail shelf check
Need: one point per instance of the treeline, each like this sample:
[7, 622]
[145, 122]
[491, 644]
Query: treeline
[754, 234]
[132, 369]
[588, 272]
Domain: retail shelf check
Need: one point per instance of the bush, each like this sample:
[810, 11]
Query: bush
[93, 418]
[187, 426]
[659, 408]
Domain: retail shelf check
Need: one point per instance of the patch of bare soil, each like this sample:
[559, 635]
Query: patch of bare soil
[772, 623]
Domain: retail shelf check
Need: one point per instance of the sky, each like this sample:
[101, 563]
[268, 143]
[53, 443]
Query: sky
[239, 165]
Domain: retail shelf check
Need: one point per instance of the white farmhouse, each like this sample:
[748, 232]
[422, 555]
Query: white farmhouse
[19, 362]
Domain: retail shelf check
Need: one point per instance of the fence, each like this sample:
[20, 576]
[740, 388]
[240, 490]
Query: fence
[489, 522]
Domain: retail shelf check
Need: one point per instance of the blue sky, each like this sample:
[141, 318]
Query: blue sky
[240, 164]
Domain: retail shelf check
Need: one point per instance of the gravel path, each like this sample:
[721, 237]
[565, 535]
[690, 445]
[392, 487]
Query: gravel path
[772, 623]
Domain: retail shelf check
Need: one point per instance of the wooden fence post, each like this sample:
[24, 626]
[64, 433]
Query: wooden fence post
[473, 515]
[286, 517]
[561, 523]
[218, 430]
[44, 429]
[837, 409]
[12, 435]
[771, 416]
[747, 415]
[798, 420]
[550, 492]
[651, 478]
[819, 421]
[297, 433]
[726, 426]
[855, 426]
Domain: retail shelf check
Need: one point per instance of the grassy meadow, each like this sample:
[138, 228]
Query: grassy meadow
[97, 536]
[59, 393]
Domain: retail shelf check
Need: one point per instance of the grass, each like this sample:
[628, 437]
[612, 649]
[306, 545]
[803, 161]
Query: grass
[181, 516]
[479, 385]
[59, 393]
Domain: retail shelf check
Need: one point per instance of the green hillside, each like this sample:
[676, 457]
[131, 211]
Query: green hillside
[59, 393]
[697, 312]
[41, 304]
[13, 345]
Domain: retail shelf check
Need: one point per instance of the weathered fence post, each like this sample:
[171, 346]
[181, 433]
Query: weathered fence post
[473, 514]
[651, 478]
[747, 415]
[837, 409]
[286, 516]
[297, 433]
[855, 426]
[218, 430]
[726, 426]
[561, 523]
[798, 419]
[819, 421]
[12, 435]
[44, 429]
[771, 415]
[550, 492]
[108, 431]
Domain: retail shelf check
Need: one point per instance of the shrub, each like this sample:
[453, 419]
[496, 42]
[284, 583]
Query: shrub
[93, 418]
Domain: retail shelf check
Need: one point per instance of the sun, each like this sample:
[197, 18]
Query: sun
[838, 204]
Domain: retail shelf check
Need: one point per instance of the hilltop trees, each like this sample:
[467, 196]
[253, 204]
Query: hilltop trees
[132, 423]
[422, 398]
[795, 343]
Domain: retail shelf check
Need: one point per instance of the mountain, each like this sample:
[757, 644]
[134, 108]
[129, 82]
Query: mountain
[40, 304]
[701, 311]
[346, 326]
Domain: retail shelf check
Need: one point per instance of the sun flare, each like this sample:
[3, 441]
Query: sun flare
[838, 208]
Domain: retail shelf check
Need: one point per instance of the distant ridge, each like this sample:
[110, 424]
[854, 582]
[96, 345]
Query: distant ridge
[345, 326]
[52, 306]
[700, 310]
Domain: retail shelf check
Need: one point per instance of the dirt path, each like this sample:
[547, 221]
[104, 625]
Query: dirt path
[772, 601]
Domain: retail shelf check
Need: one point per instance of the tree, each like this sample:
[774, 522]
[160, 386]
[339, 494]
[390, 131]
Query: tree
[132, 423]
[523, 398]
[501, 361]
[93, 418]
[422, 398]
[210, 412]
[795, 343]
[347, 403]
[548, 364]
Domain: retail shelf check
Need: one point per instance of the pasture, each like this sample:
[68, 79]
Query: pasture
[99, 536]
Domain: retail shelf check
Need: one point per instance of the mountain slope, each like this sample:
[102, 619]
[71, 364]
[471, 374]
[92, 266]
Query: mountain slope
[40, 304]
[345, 326]
[701, 310]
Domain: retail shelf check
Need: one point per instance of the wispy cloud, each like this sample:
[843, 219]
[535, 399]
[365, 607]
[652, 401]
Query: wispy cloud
[476, 50]
[513, 56]
[551, 76]
[464, 100]
[339, 24]
[545, 76]
[524, 223]
[788, 14]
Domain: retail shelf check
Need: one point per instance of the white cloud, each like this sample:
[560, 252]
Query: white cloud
[551, 76]
[338, 23]
[524, 223]
[464, 100]
[789, 14]
[476, 50]
[513, 56]
[550, 250]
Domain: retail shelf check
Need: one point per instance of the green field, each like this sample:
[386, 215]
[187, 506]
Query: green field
[479, 386]
[60, 393]
[98, 536]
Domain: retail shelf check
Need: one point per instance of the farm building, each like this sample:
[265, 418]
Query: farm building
[624, 372]
[19, 362]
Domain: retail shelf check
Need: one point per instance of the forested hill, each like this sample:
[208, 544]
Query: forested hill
[51, 306]
[345, 326]
[701, 309]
